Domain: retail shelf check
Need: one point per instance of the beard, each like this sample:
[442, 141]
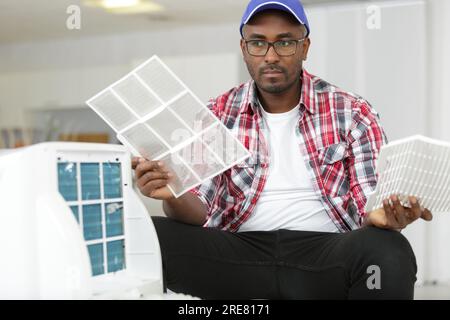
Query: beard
[274, 86]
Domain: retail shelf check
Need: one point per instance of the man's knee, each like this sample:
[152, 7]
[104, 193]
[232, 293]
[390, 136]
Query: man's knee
[167, 226]
[381, 265]
[179, 237]
[387, 249]
[159, 222]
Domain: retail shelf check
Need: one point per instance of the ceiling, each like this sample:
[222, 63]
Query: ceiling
[38, 20]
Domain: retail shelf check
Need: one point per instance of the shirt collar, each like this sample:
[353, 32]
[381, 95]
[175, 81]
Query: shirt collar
[251, 102]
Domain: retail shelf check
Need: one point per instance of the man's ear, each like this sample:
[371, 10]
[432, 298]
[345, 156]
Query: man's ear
[242, 44]
[305, 48]
[243, 49]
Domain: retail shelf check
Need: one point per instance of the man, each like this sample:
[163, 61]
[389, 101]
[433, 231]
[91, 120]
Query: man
[286, 223]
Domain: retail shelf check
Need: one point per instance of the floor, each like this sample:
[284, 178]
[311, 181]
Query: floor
[425, 292]
[432, 292]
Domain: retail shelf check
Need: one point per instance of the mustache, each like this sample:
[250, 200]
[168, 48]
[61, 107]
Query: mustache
[272, 68]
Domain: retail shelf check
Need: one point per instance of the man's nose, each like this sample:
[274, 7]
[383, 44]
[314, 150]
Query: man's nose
[271, 55]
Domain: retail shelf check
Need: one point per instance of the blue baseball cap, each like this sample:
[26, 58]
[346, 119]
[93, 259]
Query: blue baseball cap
[293, 7]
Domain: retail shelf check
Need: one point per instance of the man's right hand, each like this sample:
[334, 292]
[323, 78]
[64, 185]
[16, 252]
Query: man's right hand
[152, 178]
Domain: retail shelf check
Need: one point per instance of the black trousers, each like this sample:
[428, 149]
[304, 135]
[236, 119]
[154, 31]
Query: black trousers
[368, 263]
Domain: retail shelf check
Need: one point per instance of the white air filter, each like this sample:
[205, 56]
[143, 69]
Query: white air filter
[157, 117]
[415, 166]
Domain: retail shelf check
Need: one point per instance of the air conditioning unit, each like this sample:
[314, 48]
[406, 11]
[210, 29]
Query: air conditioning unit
[72, 227]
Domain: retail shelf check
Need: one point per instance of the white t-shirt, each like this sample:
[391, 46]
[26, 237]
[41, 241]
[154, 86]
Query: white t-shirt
[288, 200]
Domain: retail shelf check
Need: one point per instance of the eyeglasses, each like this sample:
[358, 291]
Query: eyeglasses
[283, 48]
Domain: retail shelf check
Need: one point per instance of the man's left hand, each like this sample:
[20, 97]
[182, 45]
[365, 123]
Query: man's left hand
[395, 216]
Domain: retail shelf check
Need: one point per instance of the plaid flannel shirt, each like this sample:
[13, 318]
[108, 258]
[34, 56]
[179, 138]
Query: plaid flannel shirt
[339, 137]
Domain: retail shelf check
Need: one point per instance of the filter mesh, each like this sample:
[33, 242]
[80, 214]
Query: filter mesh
[112, 110]
[157, 117]
[415, 166]
[136, 95]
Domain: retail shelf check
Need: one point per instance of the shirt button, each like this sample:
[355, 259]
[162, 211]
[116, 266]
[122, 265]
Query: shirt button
[264, 165]
[254, 200]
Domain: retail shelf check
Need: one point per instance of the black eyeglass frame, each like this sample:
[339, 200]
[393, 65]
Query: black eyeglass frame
[272, 44]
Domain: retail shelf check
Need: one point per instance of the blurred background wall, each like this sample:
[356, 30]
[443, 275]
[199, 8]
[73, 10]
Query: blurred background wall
[393, 53]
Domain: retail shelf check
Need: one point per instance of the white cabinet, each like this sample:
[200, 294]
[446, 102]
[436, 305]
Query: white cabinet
[10, 108]
[66, 88]
[395, 73]
[207, 75]
[387, 66]
[34, 90]
[93, 79]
